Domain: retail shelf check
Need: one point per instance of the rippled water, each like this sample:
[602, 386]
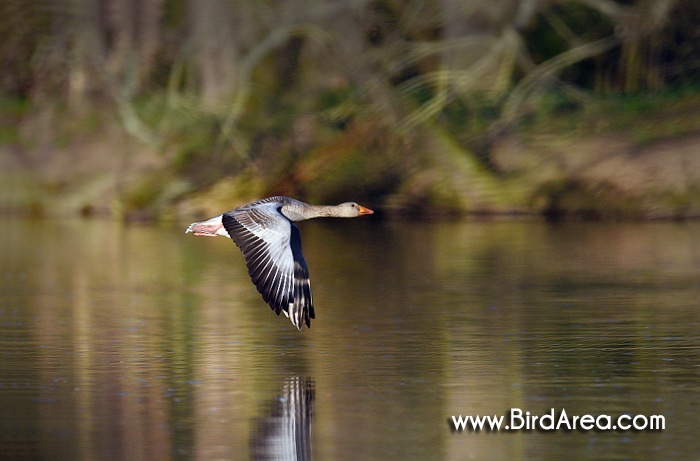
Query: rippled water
[129, 342]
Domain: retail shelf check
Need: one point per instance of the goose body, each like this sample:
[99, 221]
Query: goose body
[265, 233]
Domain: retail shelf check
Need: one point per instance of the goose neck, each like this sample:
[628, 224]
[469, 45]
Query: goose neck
[299, 211]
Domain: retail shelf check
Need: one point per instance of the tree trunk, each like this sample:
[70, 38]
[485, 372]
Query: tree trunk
[214, 53]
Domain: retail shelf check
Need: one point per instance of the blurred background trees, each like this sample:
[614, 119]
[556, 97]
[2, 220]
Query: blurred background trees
[82, 51]
[299, 89]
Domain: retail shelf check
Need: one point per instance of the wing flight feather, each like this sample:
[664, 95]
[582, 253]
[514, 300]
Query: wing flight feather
[271, 245]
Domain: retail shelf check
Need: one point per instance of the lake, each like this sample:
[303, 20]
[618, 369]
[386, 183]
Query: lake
[138, 342]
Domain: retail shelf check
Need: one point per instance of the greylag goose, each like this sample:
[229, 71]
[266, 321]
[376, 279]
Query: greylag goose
[271, 244]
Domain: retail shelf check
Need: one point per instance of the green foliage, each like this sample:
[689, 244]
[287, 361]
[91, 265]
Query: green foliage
[584, 199]
[195, 147]
[143, 194]
[557, 26]
[362, 175]
[338, 106]
[219, 89]
[146, 198]
[12, 110]
[648, 117]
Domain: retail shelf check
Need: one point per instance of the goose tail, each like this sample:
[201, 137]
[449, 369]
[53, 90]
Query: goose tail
[209, 228]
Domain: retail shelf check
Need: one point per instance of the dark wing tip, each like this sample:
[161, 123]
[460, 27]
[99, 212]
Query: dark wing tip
[302, 308]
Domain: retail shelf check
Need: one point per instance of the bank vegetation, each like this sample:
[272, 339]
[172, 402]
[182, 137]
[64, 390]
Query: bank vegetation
[154, 108]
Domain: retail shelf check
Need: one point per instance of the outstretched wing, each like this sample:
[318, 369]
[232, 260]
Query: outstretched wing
[271, 246]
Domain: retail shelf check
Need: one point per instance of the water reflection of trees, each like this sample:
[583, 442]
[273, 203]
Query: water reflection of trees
[569, 316]
[135, 346]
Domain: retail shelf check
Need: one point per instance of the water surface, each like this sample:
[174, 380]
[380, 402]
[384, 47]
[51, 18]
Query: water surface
[129, 342]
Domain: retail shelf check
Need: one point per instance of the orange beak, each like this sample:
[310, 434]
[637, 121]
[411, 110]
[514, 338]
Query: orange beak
[364, 210]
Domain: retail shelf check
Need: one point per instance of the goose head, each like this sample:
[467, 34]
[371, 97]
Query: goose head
[351, 210]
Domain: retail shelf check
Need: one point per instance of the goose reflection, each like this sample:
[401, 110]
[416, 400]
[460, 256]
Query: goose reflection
[285, 432]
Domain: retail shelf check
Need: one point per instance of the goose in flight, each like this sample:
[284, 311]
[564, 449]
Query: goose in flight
[271, 244]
